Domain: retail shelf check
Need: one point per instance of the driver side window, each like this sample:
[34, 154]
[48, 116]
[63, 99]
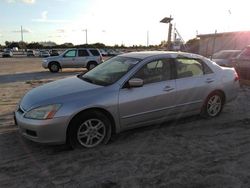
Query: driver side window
[155, 71]
[70, 53]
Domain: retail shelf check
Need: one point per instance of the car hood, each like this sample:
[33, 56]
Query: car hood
[52, 58]
[56, 92]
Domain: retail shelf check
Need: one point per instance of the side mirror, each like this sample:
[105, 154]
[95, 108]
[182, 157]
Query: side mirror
[135, 82]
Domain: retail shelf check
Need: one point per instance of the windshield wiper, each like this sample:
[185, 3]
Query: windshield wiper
[96, 82]
[85, 79]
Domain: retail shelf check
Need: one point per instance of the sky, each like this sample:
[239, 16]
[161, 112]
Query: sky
[128, 22]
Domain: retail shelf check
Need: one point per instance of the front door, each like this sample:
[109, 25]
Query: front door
[69, 59]
[152, 102]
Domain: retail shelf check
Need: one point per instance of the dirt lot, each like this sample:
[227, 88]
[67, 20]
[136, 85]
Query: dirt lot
[191, 152]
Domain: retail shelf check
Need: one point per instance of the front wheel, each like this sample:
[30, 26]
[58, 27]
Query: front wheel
[90, 130]
[213, 105]
[54, 67]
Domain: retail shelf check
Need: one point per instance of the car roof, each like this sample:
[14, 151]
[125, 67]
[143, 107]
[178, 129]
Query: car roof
[170, 54]
[229, 51]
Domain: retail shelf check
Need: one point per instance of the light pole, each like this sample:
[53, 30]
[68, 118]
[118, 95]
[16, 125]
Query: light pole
[22, 38]
[168, 20]
[86, 36]
[21, 33]
[147, 38]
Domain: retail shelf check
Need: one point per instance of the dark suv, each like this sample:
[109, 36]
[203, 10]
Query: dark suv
[74, 58]
[242, 63]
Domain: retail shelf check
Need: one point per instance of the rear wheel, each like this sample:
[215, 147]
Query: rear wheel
[90, 130]
[91, 65]
[213, 105]
[54, 67]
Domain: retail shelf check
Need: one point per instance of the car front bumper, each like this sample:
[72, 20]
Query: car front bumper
[43, 131]
[45, 64]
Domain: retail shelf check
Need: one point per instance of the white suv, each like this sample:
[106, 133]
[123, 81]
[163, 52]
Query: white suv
[74, 58]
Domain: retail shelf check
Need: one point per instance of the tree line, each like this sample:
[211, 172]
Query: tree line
[192, 45]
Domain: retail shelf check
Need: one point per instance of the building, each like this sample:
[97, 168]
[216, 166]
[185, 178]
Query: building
[211, 43]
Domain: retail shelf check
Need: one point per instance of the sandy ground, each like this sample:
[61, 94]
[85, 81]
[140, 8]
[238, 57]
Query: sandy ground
[191, 152]
[17, 76]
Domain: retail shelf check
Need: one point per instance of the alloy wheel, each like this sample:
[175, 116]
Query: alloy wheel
[91, 133]
[214, 105]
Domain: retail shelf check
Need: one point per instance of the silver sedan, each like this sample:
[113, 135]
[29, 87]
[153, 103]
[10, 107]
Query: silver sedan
[127, 91]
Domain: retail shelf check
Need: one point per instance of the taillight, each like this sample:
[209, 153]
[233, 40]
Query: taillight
[236, 76]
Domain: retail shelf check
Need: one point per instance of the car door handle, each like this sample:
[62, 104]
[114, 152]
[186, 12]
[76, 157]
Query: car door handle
[209, 80]
[168, 88]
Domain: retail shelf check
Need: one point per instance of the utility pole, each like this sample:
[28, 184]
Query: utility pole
[212, 51]
[86, 35]
[21, 33]
[22, 38]
[147, 38]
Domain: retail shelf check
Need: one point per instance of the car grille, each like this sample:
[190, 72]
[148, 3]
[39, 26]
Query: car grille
[31, 133]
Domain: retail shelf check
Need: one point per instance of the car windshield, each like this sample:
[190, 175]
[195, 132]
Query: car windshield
[225, 54]
[110, 71]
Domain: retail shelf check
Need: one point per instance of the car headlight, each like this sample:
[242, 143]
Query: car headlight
[43, 112]
[45, 60]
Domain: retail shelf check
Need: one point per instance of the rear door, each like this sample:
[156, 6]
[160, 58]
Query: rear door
[152, 102]
[82, 58]
[194, 81]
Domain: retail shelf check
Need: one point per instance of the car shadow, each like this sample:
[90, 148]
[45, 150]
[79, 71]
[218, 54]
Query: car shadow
[22, 77]
[172, 127]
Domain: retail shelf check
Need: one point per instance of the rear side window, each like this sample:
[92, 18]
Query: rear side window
[83, 53]
[94, 52]
[191, 67]
[188, 68]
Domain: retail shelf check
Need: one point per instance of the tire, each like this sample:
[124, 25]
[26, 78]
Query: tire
[213, 105]
[91, 65]
[89, 130]
[54, 67]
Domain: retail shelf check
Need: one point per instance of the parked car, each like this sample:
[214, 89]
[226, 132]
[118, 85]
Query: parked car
[113, 52]
[124, 92]
[44, 53]
[225, 57]
[242, 63]
[54, 53]
[30, 53]
[103, 52]
[74, 58]
[7, 53]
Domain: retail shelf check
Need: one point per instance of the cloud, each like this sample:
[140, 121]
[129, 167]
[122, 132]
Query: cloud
[24, 31]
[44, 19]
[44, 15]
[49, 21]
[55, 36]
[60, 31]
[22, 1]
[29, 1]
